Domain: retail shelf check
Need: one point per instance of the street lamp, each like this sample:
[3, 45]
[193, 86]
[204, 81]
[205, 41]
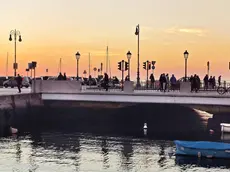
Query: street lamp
[15, 33]
[137, 33]
[77, 57]
[186, 60]
[129, 54]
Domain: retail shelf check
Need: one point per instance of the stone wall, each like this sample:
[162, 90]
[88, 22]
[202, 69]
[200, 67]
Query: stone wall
[10, 105]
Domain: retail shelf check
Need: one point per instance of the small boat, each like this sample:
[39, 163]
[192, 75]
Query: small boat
[203, 149]
[225, 127]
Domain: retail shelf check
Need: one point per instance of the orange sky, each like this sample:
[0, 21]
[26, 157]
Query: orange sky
[53, 31]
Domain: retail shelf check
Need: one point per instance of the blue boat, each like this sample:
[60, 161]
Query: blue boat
[203, 149]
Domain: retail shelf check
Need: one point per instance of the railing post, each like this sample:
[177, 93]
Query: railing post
[225, 84]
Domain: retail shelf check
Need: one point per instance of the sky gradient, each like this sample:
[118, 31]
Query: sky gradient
[58, 29]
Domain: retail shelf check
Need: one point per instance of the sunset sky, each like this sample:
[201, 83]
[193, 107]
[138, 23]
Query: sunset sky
[58, 29]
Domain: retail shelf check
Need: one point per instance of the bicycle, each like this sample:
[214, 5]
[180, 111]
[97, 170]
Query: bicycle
[222, 90]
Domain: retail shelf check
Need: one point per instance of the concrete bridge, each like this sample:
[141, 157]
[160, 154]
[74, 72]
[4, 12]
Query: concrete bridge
[74, 91]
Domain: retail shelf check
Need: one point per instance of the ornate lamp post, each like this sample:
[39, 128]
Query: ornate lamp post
[137, 32]
[77, 57]
[186, 61]
[15, 33]
[129, 54]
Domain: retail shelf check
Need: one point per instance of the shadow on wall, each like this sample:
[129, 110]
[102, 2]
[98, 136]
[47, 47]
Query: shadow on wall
[164, 120]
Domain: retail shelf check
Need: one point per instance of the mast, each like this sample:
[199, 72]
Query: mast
[107, 59]
[7, 65]
[60, 65]
[110, 74]
[89, 65]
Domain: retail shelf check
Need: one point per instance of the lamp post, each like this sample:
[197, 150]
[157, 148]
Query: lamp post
[77, 57]
[186, 61]
[129, 54]
[15, 33]
[138, 54]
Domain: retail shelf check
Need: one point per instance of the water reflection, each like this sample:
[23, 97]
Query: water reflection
[188, 162]
[162, 159]
[85, 152]
[105, 151]
[127, 153]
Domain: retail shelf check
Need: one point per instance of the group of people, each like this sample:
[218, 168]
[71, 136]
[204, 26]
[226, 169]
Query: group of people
[195, 82]
[62, 77]
[211, 82]
[165, 82]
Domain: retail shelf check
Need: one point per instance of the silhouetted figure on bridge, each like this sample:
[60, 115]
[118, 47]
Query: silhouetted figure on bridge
[219, 80]
[162, 82]
[152, 80]
[19, 83]
[195, 83]
[173, 82]
[64, 77]
[206, 82]
[213, 82]
[106, 81]
[167, 82]
[60, 76]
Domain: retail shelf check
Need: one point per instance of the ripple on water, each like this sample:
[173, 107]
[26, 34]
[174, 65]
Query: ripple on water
[86, 152]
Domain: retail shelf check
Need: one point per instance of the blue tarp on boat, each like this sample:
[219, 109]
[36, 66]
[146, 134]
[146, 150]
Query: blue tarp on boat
[203, 145]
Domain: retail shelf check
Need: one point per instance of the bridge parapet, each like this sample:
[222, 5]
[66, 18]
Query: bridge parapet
[50, 86]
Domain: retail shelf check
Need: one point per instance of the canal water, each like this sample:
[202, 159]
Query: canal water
[82, 138]
[72, 151]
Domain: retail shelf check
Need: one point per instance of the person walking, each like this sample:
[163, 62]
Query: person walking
[19, 83]
[152, 79]
[219, 80]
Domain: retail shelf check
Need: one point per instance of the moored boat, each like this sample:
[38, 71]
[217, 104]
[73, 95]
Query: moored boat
[225, 127]
[203, 149]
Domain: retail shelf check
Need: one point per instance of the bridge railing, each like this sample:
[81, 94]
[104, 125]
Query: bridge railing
[128, 86]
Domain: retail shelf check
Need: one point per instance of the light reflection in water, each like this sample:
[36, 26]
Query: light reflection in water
[84, 152]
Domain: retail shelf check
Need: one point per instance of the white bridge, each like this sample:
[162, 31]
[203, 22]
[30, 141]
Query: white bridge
[73, 91]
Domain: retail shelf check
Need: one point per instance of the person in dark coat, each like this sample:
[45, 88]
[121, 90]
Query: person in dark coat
[64, 77]
[206, 82]
[19, 83]
[106, 81]
[60, 76]
[152, 79]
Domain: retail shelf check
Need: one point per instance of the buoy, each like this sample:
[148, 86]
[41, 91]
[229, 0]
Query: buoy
[211, 131]
[14, 130]
[145, 132]
[145, 126]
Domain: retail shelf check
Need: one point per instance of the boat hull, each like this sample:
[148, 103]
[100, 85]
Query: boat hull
[225, 128]
[197, 151]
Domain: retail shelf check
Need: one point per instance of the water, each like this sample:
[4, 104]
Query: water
[71, 152]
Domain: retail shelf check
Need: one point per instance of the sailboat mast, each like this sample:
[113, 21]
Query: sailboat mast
[107, 59]
[110, 74]
[60, 65]
[7, 65]
[89, 65]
